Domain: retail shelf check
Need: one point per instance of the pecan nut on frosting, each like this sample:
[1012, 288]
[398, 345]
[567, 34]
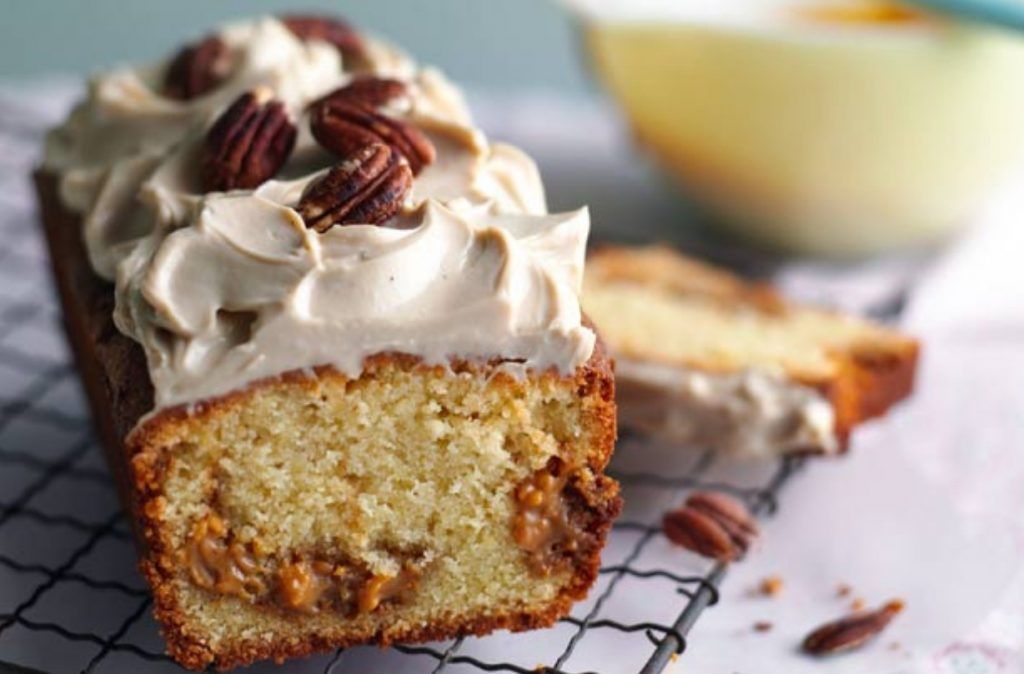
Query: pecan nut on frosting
[327, 29]
[367, 187]
[248, 144]
[344, 126]
[373, 92]
[198, 69]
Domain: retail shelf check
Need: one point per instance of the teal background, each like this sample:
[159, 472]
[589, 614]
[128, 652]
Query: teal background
[490, 43]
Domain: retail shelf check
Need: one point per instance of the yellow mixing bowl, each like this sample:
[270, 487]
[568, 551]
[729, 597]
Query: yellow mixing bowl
[820, 132]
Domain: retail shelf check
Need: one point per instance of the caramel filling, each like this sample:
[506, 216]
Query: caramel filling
[305, 584]
[382, 588]
[227, 568]
[542, 526]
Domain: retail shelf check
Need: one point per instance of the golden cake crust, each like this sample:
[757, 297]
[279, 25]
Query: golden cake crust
[115, 376]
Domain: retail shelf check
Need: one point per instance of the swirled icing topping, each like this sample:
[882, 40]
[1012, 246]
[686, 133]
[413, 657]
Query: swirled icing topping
[225, 288]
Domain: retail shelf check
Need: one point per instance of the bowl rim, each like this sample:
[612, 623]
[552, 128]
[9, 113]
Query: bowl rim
[782, 30]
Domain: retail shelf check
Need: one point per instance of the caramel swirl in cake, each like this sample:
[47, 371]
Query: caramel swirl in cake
[542, 526]
[217, 564]
[303, 583]
[383, 587]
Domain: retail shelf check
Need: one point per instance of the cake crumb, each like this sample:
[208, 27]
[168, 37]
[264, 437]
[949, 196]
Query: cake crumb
[771, 586]
[843, 590]
[763, 626]
[858, 604]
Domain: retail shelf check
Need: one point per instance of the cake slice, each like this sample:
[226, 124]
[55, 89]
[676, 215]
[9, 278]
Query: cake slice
[706, 358]
[332, 342]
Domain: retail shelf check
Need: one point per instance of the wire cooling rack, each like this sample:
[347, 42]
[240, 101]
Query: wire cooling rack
[72, 600]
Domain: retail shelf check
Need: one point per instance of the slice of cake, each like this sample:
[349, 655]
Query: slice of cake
[333, 344]
[706, 358]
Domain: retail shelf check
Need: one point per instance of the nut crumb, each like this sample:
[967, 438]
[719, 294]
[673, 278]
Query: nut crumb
[771, 586]
[763, 626]
[843, 590]
[858, 604]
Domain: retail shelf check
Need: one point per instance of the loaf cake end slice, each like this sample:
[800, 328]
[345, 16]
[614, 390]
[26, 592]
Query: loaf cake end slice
[313, 510]
[333, 344]
[705, 357]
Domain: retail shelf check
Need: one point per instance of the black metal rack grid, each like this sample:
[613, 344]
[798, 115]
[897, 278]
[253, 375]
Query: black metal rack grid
[58, 508]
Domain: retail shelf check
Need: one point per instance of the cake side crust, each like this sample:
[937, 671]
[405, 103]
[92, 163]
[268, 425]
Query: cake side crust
[869, 382]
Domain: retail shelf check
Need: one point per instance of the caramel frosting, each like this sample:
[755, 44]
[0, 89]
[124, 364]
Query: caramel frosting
[225, 288]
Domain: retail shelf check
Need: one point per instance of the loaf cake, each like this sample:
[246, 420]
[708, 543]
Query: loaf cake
[706, 359]
[332, 342]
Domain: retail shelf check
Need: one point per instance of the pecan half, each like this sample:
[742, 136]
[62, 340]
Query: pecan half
[197, 69]
[730, 514]
[368, 187]
[248, 143]
[342, 127]
[851, 631]
[340, 33]
[698, 533]
[370, 91]
[711, 524]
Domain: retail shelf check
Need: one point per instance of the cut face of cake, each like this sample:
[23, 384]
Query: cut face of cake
[708, 359]
[333, 344]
